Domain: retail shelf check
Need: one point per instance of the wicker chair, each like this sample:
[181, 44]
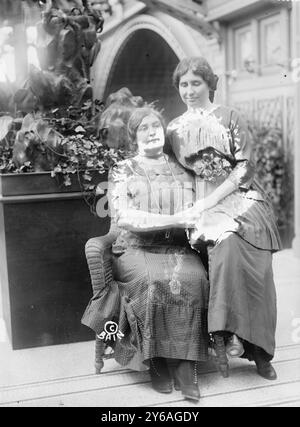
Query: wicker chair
[98, 254]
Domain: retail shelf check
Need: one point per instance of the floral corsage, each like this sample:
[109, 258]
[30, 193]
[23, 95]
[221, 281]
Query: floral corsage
[209, 165]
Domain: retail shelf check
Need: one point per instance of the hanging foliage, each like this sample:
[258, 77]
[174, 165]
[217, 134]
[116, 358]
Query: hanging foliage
[274, 170]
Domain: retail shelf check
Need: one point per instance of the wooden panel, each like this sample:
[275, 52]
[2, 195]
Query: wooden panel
[269, 111]
[48, 278]
[277, 111]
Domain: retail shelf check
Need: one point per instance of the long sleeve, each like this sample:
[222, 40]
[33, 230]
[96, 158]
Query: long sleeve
[118, 197]
[242, 150]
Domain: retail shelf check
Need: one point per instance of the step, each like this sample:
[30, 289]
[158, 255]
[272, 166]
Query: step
[123, 388]
[260, 396]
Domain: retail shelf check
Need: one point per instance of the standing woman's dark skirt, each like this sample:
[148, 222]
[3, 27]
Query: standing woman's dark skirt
[242, 292]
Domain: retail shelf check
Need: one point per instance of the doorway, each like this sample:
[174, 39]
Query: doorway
[145, 65]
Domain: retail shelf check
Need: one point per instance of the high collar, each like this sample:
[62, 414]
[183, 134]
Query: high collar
[202, 111]
[151, 160]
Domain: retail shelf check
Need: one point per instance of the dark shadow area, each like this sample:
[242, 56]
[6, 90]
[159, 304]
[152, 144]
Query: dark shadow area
[145, 65]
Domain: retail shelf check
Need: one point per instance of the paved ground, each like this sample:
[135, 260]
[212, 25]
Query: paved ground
[64, 375]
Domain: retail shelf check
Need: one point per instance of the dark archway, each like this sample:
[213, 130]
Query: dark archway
[145, 65]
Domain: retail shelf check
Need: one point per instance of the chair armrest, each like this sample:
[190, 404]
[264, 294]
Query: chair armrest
[104, 304]
[98, 255]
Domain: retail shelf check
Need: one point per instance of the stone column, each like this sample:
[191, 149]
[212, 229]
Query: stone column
[296, 75]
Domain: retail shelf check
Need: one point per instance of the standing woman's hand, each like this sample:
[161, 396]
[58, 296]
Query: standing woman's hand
[187, 218]
[205, 204]
[190, 217]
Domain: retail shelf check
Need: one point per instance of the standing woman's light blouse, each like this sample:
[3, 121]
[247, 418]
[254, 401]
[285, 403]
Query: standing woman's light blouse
[224, 139]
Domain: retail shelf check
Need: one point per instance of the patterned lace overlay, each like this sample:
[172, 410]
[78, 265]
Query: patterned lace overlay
[175, 284]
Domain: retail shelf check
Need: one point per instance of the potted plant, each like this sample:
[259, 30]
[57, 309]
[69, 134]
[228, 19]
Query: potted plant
[65, 148]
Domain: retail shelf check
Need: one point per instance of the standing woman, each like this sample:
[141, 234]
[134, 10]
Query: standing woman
[214, 142]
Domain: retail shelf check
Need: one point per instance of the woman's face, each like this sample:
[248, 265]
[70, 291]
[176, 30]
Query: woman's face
[193, 90]
[150, 136]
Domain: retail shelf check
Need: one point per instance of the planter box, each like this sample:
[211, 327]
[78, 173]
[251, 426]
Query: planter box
[44, 275]
[12, 184]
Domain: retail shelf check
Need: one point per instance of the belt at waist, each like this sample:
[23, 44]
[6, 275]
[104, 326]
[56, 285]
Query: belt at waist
[172, 235]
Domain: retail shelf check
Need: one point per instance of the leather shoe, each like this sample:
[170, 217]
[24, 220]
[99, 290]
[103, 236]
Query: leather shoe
[160, 376]
[264, 367]
[186, 380]
[266, 370]
[234, 347]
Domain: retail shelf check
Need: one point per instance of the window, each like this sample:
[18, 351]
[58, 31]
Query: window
[243, 47]
[261, 43]
[271, 41]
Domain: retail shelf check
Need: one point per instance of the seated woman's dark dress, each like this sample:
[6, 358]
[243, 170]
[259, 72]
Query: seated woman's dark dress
[163, 284]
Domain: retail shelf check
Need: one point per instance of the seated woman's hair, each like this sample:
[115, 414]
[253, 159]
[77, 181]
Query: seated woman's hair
[199, 66]
[137, 117]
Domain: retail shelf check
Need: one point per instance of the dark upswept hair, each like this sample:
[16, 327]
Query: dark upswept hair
[137, 117]
[199, 66]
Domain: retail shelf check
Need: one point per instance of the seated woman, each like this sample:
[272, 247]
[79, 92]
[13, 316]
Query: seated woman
[162, 282]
